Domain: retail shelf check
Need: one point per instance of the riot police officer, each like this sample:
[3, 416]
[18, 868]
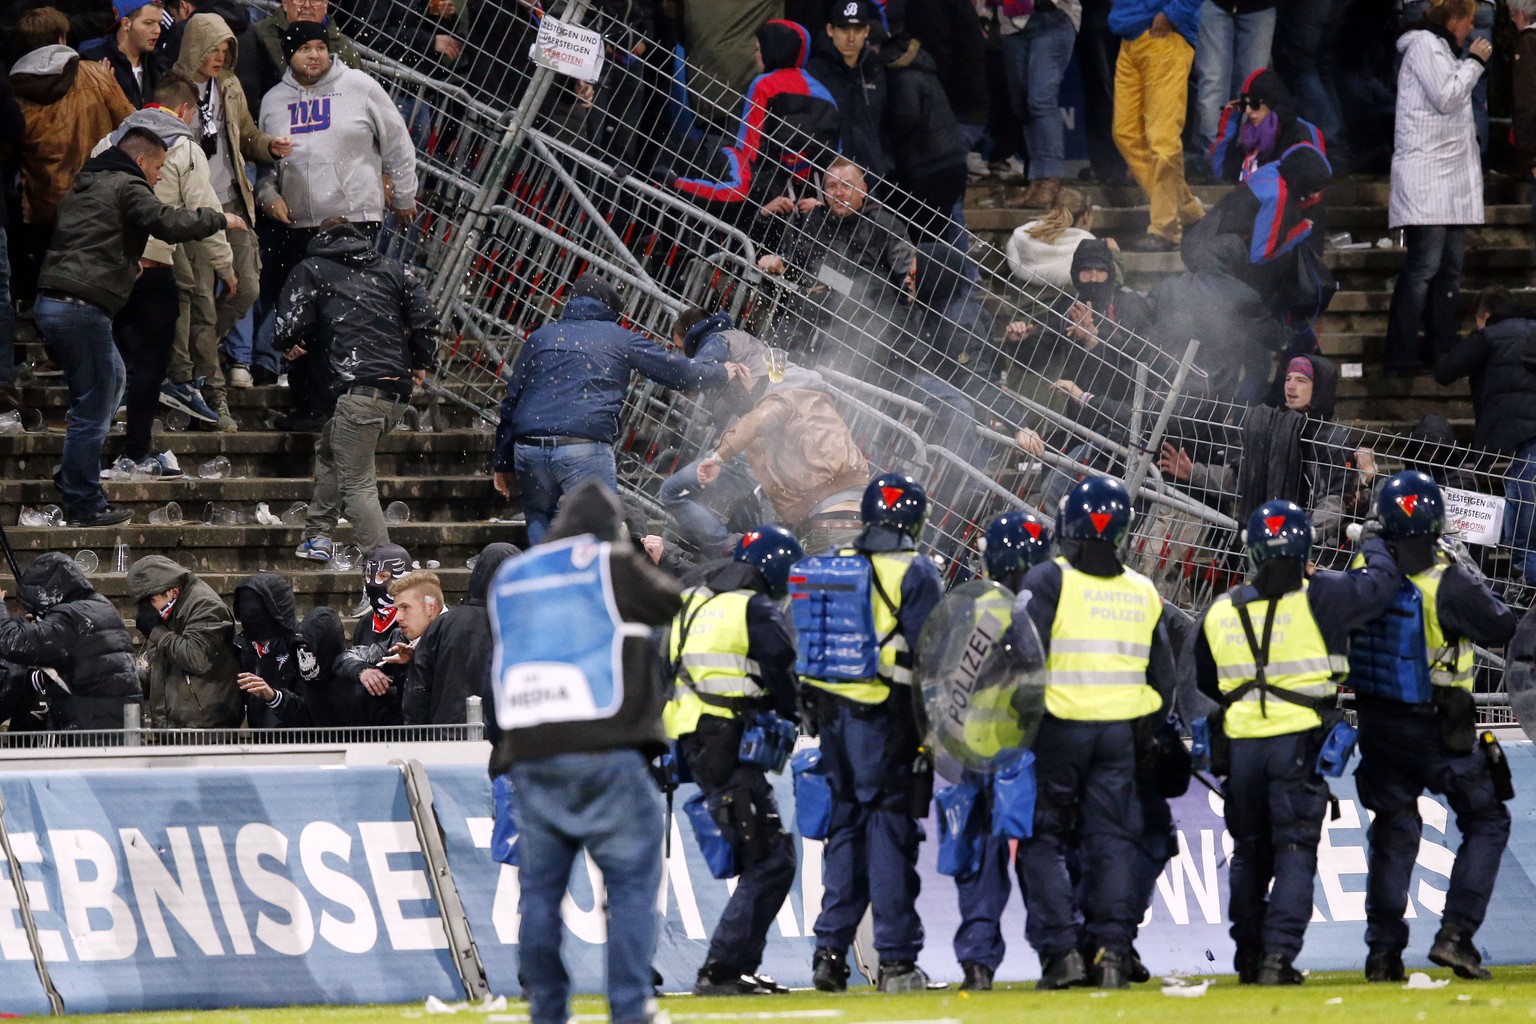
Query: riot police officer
[1411, 670]
[858, 612]
[733, 660]
[1271, 652]
[1012, 544]
[1108, 665]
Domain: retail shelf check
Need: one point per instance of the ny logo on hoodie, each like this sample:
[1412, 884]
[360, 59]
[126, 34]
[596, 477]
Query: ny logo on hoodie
[309, 116]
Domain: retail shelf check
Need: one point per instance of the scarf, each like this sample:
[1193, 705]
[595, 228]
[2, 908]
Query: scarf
[1259, 139]
[207, 118]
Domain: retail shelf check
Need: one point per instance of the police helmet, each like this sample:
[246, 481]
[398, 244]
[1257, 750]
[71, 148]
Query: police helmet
[1278, 529]
[895, 500]
[772, 549]
[1098, 508]
[1410, 505]
[1014, 541]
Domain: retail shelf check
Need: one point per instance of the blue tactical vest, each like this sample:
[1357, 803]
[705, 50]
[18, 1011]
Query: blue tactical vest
[831, 603]
[1386, 658]
[559, 637]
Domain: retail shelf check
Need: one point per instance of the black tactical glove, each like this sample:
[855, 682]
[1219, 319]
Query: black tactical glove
[148, 618]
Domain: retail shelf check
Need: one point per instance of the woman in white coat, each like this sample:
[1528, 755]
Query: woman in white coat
[1042, 250]
[1437, 179]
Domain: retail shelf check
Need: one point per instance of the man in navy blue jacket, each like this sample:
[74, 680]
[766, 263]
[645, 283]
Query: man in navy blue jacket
[561, 414]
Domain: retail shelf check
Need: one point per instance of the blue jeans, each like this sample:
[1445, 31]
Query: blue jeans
[7, 318]
[79, 336]
[1035, 61]
[1520, 511]
[544, 474]
[1232, 47]
[694, 507]
[607, 804]
[1427, 291]
[1482, 28]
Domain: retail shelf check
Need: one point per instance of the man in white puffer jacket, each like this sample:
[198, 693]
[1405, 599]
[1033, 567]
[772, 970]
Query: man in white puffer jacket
[1437, 180]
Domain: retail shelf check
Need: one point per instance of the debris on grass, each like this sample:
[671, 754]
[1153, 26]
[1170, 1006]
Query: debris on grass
[1183, 991]
[1420, 980]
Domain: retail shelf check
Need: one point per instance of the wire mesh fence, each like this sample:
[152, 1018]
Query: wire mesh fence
[997, 390]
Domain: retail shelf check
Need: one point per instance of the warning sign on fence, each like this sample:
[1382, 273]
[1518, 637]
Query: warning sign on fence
[569, 49]
[1475, 518]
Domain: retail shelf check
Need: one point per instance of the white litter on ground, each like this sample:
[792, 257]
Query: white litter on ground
[1182, 991]
[1420, 980]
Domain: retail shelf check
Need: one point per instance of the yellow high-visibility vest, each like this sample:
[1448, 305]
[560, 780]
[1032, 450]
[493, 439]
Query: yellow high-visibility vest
[713, 656]
[1101, 643]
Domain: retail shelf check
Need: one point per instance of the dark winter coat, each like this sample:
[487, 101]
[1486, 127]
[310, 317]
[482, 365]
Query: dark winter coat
[75, 631]
[13, 128]
[1503, 387]
[192, 666]
[571, 376]
[292, 661]
[368, 315]
[103, 224]
[1227, 153]
[453, 657]
[951, 34]
[345, 703]
[644, 595]
[924, 135]
[106, 48]
[1523, 102]
[861, 93]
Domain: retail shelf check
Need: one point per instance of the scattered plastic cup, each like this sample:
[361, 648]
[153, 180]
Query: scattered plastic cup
[471, 561]
[216, 468]
[170, 515]
[121, 559]
[296, 515]
[176, 420]
[123, 469]
[149, 469]
[10, 423]
[398, 512]
[220, 515]
[777, 360]
[345, 557]
[87, 561]
[48, 515]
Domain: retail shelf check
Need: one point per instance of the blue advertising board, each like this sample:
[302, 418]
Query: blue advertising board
[191, 888]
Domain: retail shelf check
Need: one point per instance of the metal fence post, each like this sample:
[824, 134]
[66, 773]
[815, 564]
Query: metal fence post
[1137, 470]
[474, 717]
[133, 725]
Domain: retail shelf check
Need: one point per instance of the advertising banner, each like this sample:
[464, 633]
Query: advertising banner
[192, 888]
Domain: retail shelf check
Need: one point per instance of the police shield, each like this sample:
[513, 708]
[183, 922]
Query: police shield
[980, 695]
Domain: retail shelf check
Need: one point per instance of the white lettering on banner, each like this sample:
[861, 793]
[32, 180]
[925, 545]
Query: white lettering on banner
[73, 848]
[319, 840]
[394, 887]
[1433, 856]
[293, 938]
[1335, 862]
[504, 916]
[181, 894]
[13, 936]
[676, 878]
[1203, 883]
[224, 890]
[587, 924]
[568, 49]
[1475, 518]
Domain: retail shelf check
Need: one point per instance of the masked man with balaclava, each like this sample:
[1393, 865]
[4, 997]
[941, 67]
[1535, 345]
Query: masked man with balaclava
[281, 660]
[365, 688]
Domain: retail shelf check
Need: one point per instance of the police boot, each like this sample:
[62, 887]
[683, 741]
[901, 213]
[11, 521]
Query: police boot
[829, 971]
[1454, 950]
[1111, 970]
[978, 977]
[1276, 969]
[1246, 964]
[1062, 971]
[1138, 972]
[1383, 965]
[773, 987]
[718, 979]
[902, 976]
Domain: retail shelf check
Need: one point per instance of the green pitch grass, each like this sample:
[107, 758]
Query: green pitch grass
[1330, 998]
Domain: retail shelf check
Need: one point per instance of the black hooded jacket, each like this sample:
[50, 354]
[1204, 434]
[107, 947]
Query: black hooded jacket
[365, 316]
[138, 88]
[75, 631]
[925, 136]
[1499, 360]
[453, 657]
[644, 595]
[861, 92]
[289, 656]
[344, 701]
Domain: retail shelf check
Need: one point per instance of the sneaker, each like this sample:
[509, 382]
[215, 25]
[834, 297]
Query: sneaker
[226, 422]
[169, 467]
[240, 376]
[975, 167]
[1013, 167]
[185, 398]
[109, 515]
[1062, 971]
[316, 549]
[829, 971]
[773, 987]
[1456, 951]
[902, 976]
[1383, 965]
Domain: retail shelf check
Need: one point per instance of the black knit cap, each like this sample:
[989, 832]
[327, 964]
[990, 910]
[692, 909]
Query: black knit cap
[301, 32]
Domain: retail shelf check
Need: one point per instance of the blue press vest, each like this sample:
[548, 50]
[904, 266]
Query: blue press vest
[559, 636]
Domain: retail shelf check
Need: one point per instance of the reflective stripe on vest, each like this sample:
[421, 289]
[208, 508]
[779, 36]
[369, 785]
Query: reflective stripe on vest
[1101, 642]
[1450, 664]
[890, 570]
[1299, 662]
[713, 657]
